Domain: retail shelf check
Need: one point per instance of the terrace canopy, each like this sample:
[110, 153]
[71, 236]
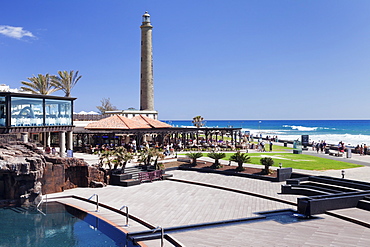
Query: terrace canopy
[118, 130]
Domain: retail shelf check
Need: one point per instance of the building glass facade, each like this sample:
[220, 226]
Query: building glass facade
[2, 111]
[21, 110]
[58, 112]
[26, 112]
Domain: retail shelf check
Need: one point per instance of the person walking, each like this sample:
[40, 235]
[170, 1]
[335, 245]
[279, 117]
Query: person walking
[263, 146]
[365, 149]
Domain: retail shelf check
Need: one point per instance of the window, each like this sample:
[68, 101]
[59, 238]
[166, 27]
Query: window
[2, 111]
[26, 111]
[58, 112]
[33, 112]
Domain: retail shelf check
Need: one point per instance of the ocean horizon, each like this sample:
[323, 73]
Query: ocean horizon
[351, 132]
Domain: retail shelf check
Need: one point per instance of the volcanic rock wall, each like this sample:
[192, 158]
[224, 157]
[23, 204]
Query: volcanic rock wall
[26, 174]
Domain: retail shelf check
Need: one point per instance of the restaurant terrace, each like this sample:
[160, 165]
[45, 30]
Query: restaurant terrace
[118, 130]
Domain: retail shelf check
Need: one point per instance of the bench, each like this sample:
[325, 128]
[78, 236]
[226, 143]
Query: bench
[150, 176]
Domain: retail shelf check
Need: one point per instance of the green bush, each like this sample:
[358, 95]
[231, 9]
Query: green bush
[267, 162]
[194, 157]
[240, 158]
[216, 156]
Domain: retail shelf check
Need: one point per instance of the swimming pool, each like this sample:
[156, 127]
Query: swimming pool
[60, 225]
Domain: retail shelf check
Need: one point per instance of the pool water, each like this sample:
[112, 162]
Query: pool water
[60, 226]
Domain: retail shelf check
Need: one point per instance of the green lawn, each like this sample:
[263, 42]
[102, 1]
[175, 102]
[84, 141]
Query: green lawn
[298, 161]
[276, 148]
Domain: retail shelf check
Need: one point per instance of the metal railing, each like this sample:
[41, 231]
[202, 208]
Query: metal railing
[39, 204]
[97, 201]
[162, 234]
[126, 214]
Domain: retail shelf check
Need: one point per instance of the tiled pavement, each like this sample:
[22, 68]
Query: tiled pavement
[169, 203]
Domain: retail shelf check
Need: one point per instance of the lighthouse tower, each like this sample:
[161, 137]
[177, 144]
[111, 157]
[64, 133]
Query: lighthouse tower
[146, 76]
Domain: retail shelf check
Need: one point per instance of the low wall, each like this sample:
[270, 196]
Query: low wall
[282, 175]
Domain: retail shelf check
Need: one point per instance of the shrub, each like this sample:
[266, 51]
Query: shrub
[240, 158]
[216, 156]
[267, 162]
[194, 157]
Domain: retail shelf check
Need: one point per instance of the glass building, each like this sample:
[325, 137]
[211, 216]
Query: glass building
[26, 112]
[42, 118]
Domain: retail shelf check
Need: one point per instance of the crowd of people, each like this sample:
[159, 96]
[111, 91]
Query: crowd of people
[261, 145]
[320, 146]
[361, 149]
[49, 150]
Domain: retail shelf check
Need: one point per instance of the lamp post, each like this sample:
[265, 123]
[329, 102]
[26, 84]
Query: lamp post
[259, 128]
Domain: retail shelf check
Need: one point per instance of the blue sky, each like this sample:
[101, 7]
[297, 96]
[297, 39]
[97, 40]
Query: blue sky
[237, 59]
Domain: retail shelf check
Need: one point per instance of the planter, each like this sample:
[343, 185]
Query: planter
[115, 179]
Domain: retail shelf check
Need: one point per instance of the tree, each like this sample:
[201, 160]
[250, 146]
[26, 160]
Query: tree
[66, 81]
[122, 157]
[267, 162]
[194, 157]
[40, 84]
[216, 156]
[240, 158]
[198, 121]
[106, 157]
[106, 105]
[148, 155]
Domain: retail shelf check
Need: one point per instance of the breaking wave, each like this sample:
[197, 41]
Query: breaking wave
[300, 128]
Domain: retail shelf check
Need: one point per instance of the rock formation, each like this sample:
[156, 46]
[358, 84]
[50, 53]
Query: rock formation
[26, 173]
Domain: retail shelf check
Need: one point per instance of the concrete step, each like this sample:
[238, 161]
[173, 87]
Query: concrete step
[134, 171]
[329, 187]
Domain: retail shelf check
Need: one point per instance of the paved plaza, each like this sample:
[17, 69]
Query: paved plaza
[171, 203]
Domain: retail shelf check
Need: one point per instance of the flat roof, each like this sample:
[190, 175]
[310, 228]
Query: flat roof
[29, 95]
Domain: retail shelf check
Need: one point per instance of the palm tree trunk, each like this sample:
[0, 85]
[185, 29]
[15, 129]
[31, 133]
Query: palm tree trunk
[124, 166]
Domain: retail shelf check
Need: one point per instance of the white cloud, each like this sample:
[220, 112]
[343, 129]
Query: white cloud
[15, 32]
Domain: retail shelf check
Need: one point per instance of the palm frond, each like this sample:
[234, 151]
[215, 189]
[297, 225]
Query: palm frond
[40, 84]
[66, 81]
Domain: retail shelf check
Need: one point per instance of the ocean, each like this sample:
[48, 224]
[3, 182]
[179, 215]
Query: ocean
[351, 132]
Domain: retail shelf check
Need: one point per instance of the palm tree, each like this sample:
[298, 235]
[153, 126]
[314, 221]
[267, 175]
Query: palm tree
[106, 157]
[216, 156]
[66, 81]
[150, 154]
[122, 157]
[267, 162]
[240, 158]
[198, 121]
[194, 157]
[42, 84]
